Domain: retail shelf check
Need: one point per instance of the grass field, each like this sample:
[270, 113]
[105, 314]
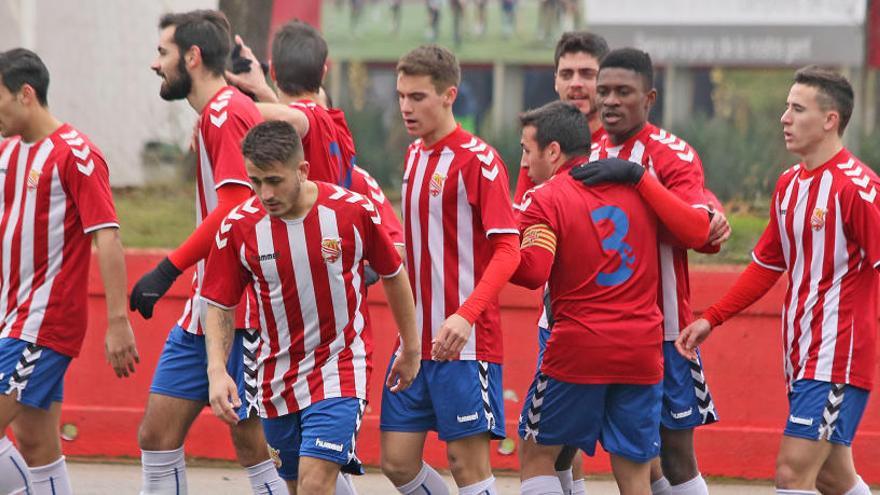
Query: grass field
[373, 39]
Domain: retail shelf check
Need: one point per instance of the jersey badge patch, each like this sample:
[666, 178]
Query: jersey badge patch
[331, 249]
[817, 221]
[437, 181]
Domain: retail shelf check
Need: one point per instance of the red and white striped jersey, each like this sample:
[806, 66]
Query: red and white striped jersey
[321, 146]
[308, 275]
[55, 193]
[824, 231]
[224, 122]
[678, 167]
[455, 195]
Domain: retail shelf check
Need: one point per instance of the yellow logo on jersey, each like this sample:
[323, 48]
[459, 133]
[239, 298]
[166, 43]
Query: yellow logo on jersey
[331, 249]
[817, 221]
[437, 184]
[33, 179]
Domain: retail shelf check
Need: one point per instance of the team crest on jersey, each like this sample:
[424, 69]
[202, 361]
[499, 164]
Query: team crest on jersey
[331, 249]
[275, 455]
[817, 221]
[437, 184]
[33, 179]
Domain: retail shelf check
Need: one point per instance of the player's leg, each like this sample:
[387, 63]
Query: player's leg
[569, 470]
[838, 475]
[251, 448]
[405, 420]
[659, 484]
[14, 475]
[317, 476]
[631, 434]
[687, 404]
[537, 468]
[329, 435]
[33, 376]
[469, 405]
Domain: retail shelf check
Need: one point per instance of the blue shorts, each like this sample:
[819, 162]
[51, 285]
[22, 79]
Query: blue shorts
[33, 372]
[182, 371]
[625, 418]
[326, 430]
[825, 411]
[457, 399]
[687, 402]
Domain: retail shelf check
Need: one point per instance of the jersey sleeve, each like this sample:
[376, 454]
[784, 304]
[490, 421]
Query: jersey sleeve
[862, 218]
[379, 250]
[491, 194]
[226, 278]
[682, 173]
[88, 181]
[365, 185]
[768, 251]
[223, 137]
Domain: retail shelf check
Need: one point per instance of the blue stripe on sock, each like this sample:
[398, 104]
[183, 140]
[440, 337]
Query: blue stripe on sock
[27, 490]
[52, 484]
[427, 492]
[176, 482]
[268, 488]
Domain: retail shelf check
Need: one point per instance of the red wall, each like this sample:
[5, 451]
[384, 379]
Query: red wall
[743, 364]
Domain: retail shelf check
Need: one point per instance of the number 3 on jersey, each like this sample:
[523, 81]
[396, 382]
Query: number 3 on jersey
[614, 242]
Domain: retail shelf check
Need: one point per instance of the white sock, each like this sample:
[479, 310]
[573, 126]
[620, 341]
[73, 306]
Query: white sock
[164, 472]
[565, 479]
[661, 487]
[344, 485]
[427, 481]
[860, 488]
[541, 485]
[265, 480]
[783, 491]
[693, 486]
[14, 474]
[51, 479]
[578, 487]
[485, 487]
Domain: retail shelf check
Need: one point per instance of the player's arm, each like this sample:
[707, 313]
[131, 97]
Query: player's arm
[688, 224]
[862, 219]
[153, 284]
[751, 285]
[719, 227]
[120, 348]
[247, 74]
[537, 251]
[454, 332]
[293, 116]
[219, 333]
[409, 357]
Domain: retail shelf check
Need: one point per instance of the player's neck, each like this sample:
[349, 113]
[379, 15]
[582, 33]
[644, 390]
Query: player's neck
[594, 122]
[42, 124]
[445, 128]
[823, 152]
[287, 99]
[203, 90]
[307, 197]
[623, 137]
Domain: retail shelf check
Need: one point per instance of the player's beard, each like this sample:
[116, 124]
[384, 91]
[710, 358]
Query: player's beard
[178, 88]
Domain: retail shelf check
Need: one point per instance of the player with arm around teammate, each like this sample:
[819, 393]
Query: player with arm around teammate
[303, 247]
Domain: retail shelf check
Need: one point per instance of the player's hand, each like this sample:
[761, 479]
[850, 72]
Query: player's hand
[147, 291]
[691, 337]
[223, 395]
[247, 74]
[608, 170]
[719, 229]
[403, 370]
[120, 348]
[451, 338]
[370, 276]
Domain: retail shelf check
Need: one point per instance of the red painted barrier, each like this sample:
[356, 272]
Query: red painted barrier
[743, 364]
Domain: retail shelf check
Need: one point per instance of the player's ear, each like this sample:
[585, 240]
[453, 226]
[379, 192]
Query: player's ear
[303, 170]
[651, 97]
[832, 121]
[193, 57]
[450, 94]
[555, 150]
[26, 95]
[272, 73]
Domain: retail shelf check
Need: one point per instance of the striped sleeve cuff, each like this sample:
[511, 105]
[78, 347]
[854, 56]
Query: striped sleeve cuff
[100, 226]
[765, 265]
[215, 303]
[392, 275]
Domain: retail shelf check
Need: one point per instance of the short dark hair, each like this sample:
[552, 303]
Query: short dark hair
[20, 66]
[298, 57]
[631, 59]
[207, 29]
[561, 122]
[434, 61]
[834, 92]
[270, 142]
[580, 41]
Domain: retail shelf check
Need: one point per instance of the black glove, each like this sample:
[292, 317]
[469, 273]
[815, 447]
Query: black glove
[242, 64]
[608, 170]
[147, 291]
[370, 276]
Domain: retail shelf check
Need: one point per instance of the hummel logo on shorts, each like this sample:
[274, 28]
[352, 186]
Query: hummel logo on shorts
[468, 418]
[328, 445]
[800, 421]
[683, 414]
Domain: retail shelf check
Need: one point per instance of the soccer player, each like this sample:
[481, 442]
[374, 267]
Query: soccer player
[824, 219]
[55, 200]
[625, 94]
[596, 248]
[461, 248]
[303, 246]
[193, 49]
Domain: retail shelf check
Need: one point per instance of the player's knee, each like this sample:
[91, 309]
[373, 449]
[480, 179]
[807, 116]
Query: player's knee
[679, 466]
[38, 450]
[463, 468]
[398, 470]
[309, 484]
[787, 475]
[151, 437]
[250, 446]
